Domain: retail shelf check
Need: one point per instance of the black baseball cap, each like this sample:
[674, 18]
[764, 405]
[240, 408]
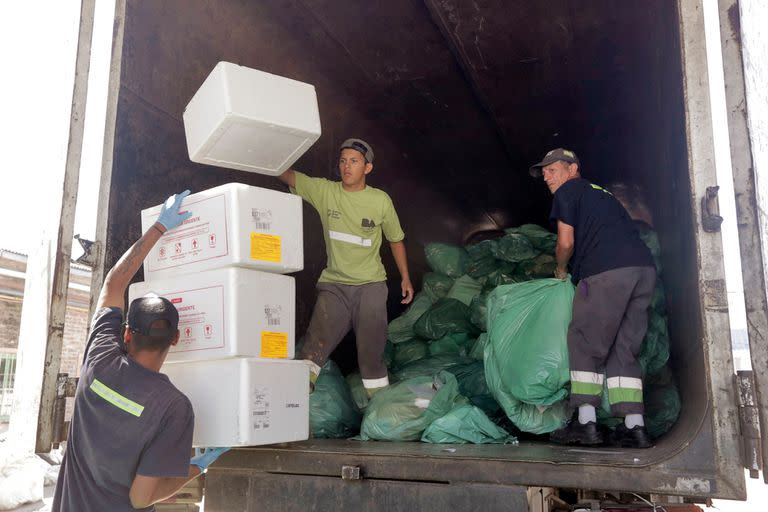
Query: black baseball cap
[143, 311]
[552, 156]
[359, 145]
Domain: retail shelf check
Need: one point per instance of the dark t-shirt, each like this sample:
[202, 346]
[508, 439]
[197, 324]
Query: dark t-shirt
[127, 419]
[605, 237]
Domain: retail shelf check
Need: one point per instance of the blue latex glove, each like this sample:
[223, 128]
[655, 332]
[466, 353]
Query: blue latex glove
[204, 457]
[169, 213]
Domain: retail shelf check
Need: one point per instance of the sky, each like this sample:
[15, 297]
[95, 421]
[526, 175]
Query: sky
[38, 101]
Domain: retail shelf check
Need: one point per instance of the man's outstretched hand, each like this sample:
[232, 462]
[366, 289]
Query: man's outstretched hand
[170, 217]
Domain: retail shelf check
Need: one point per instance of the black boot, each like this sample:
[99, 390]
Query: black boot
[635, 437]
[578, 433]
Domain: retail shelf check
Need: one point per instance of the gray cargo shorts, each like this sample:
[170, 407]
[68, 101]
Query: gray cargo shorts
[341, 307]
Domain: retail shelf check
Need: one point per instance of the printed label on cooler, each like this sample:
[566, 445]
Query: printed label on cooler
[274, 345]
[201, 237]
[261, 408]
[201, 318]
[262, 219]
[265, 247]
[273, 314]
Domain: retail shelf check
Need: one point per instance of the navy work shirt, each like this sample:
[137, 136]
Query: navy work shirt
[605, 238]
[127, 419]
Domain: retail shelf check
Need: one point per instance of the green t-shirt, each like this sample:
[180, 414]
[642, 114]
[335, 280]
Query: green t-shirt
[353, 223]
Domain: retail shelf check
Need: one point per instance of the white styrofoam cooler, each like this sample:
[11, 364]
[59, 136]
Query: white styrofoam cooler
[233, 224]
[245, 402]
[246, 119]
[229, 312]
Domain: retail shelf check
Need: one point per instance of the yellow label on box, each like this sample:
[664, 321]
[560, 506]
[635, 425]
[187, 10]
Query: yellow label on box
[274, 345]
[265, 247]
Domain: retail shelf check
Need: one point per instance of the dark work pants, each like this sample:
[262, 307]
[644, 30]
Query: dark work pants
[610, 319]
[342, 307]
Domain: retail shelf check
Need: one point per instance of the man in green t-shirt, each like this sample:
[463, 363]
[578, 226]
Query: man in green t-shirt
[352, 290]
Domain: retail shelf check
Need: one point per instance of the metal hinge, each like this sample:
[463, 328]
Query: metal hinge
[65, 388]
[351, 473]
[90, 252]
[710, 211]
[749, 421]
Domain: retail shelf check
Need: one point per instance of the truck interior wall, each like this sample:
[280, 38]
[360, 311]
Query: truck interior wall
[456, 100]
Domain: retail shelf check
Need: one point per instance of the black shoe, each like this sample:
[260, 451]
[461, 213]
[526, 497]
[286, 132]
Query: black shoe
[578, 433]
[635, 437]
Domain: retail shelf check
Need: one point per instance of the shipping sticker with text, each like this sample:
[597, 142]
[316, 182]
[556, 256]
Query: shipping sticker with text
[201, 318]
[201, 237]
[274, 345]
[261, 407]
[265, 247]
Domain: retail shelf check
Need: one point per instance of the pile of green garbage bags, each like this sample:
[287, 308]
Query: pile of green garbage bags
[481, 353]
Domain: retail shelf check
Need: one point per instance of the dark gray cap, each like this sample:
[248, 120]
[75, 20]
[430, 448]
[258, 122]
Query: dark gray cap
[359, 145]
[145, 310]
[552, 156]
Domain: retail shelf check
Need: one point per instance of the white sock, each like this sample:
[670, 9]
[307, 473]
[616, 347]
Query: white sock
[633, 420]
[587, 413]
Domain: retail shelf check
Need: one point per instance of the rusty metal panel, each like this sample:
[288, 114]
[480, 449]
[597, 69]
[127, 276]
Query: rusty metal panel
[48, 278]
[306, 493]
[748, 211]
[711, 273]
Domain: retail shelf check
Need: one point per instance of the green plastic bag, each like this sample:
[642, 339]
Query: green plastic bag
[505, 274]
[654, 353]
[456, 343]
[478, 349]
[409, 351]
[446, 316]
[541, 238]
[465, 289]
[515, 247]
[402, 411]
[389, 353]
[651, 239]
[536, 419]
[359, 394]
[447, 259]
[466, 424]
[481, 250]
[478, 312]
[401, 328]
[662, 402]
[428, 366]
[436, 285]
[539, 267]
[482, 260]
[332, 411]
[527, 352]
[472, 384]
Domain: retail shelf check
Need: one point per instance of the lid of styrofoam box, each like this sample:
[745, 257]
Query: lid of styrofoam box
[245, 402]
[251, 120]
[229, 312]
[232, 224]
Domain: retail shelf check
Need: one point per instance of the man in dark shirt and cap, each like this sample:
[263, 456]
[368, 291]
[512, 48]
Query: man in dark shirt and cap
[614, 274]
[130, 439]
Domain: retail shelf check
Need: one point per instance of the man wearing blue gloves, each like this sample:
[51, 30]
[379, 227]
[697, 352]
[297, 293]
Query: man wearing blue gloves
[131, 433]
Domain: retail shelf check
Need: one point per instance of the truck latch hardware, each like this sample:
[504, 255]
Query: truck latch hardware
[350, 473]
[89, 252]
[749, 422]
[710, 218]
[65, 387]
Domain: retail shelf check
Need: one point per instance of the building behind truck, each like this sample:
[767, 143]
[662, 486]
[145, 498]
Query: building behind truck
[458, 99]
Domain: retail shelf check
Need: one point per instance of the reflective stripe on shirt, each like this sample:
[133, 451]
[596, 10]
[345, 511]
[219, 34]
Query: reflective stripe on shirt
[352, 239]
[115, 398]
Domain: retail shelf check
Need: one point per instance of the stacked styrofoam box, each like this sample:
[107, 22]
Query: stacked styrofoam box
[222, 269]
[250, 120]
